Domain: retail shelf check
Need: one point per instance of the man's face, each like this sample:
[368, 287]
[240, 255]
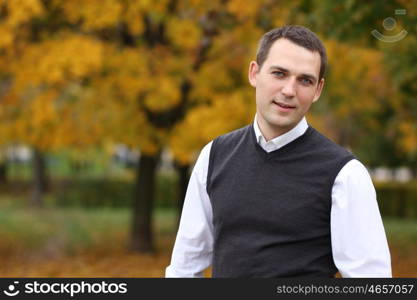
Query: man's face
[286, 86]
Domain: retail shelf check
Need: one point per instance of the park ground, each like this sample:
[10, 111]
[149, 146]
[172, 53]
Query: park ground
[75, 242]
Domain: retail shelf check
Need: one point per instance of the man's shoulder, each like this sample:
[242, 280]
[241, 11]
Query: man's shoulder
[232, 136]
[329, 145]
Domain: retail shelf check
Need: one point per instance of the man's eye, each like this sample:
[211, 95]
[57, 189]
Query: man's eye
[279, 73]
[306, 81]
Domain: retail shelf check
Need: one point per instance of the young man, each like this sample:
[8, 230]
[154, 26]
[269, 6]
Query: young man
[276, 198]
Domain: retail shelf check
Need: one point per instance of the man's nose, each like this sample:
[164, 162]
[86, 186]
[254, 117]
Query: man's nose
[288, 89]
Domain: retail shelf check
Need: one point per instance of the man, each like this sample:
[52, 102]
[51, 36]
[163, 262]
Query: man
[276, 198]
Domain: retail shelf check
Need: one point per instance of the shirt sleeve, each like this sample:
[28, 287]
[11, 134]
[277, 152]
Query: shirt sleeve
[192, 252]
[359, 244]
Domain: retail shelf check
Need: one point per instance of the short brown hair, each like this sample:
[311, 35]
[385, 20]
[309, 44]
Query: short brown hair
[300, 36]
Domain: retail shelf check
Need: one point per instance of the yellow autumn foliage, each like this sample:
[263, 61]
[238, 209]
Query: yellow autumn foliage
[6, 36]
[408, 136]
[356, 85]
[94, 14]
[21, 11]
[163, 93]
[114, 70]
[204, 123]
[244, 10]
[183, 33]
[70, 57]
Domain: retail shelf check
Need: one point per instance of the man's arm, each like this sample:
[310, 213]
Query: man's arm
[193, 246]
[359, 244]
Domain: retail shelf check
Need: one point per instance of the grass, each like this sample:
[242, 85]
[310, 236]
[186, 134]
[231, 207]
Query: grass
[76, 242]
[402, 241]
[401, 230]
[74, 229]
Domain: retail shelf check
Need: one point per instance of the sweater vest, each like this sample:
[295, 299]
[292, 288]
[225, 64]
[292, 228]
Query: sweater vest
[271, 211]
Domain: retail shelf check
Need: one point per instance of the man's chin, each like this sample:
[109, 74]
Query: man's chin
[281, 123]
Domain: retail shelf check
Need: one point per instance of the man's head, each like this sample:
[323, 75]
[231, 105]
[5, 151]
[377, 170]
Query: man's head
[288, 77]
[300, 36]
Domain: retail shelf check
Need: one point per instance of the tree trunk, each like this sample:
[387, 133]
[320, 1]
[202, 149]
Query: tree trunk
[183, 178]
[3, 172]
[144, 195]
[40, 181]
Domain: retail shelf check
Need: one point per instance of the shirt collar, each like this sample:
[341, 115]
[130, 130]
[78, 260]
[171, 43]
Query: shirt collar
[281, 140]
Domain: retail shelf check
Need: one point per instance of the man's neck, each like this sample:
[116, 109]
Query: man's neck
[270, 132]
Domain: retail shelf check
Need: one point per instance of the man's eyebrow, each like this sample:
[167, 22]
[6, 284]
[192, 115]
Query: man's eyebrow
[308, 76]
[279, 68]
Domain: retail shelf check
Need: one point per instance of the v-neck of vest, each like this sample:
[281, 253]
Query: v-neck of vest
[284, 148]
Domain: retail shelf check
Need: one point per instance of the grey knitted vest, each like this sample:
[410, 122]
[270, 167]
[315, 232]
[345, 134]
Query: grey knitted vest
[271, 211]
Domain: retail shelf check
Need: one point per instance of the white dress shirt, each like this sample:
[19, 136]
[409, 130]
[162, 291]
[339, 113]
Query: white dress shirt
[359, 244]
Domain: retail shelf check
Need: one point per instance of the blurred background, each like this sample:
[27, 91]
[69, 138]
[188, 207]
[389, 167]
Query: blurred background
[105, 105]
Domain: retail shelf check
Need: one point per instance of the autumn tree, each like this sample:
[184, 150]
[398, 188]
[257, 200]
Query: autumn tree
[82, 72]
[156, 75]
[45, 64]
[392, 138]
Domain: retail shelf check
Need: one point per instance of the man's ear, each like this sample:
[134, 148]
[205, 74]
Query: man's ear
[319, 89]
[253, 72]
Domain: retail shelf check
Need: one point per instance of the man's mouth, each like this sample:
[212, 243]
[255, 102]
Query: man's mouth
[283, 105]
